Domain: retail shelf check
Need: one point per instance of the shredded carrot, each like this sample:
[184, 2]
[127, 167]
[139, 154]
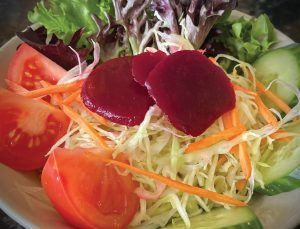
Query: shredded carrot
[97, 117]
[178, 185]
[62, 88]
[57, 97]
[265, 112]
[245, 90]
[235, 118]
[278, 135]
[274, 98]
[213, 60]
[245, 160]
[241, 149]
[227, 120]
[86, 126]
[240, 185]
[215, 138]
[235, 150]
[71, 97]
[222, 160]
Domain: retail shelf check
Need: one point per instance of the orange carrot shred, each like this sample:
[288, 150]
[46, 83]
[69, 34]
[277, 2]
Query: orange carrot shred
[215, 138]
[241, 149]
[178, 185]
[227, 120]
[213, 60]
[274, 98]
[265, 112]
[245, 90]
[235, 150]
[71, 97]
[280, 139]
[235, 118]
[278, 136]
[222, 160]
[245, 160]
[62, 88]
[240, 185]
[86, 126]
[56, 97]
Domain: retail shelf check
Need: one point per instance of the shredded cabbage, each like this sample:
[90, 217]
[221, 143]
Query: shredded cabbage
[155, 145]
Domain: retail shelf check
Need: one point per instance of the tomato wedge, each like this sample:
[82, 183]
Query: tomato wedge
[28, 129]
[28, 67]
[87, 192]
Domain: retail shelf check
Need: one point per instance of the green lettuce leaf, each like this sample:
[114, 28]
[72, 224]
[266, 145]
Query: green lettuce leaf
[247, 39]
[64, 17]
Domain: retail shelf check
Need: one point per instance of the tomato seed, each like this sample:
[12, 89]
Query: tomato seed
[16, 138]
[28, 74]
[12, 133]
[52, 124]
[37, 141]
[28, 84]
[32, 66]
[37, 77]
[30, 144]
[51, 131]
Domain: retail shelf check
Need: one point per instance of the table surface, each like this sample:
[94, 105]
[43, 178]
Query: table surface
[285, 15]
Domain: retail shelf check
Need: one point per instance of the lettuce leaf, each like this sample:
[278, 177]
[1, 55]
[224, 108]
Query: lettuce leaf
[247, 39]
[64, 17]
[55, 49]
[193, 19]
[128, 27]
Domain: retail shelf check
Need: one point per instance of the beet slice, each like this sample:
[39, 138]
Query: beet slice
[144, 63]
[111, 92]
[191, 91]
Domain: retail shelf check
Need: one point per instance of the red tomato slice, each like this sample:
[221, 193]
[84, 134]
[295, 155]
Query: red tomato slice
[28, 129]
[87, 192]
[28, 67]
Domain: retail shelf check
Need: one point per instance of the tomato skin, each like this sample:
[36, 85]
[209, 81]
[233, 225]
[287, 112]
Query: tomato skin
[28, 129]
[27, 67]
[58, 196]
[87, 192]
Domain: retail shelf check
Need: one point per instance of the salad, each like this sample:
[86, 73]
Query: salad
[152, 114]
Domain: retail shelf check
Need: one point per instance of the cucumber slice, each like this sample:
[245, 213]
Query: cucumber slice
[283, 184]
[283, 175]
[284, 64]
[235, 218]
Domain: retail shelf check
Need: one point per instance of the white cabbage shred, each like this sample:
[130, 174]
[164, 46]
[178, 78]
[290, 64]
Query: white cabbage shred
[155, 145]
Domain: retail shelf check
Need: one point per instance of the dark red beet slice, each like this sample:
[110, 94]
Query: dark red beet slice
[191, 91]
[111, 91]
[144, 63]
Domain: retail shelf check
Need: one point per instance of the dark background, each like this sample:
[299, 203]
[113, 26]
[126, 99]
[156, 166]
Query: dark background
[285, 15]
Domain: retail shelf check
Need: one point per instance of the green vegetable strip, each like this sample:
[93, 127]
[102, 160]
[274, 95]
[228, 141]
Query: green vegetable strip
[247, 39]
[64, 17]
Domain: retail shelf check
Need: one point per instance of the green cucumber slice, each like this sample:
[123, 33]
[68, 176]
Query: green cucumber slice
[284, 64]
[283, 184]
[283, 175]
[235, 218]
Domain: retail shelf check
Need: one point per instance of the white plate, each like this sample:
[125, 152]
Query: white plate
[23, 199]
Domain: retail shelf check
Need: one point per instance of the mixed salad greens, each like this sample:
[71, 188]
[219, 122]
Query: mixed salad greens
[118, 155]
